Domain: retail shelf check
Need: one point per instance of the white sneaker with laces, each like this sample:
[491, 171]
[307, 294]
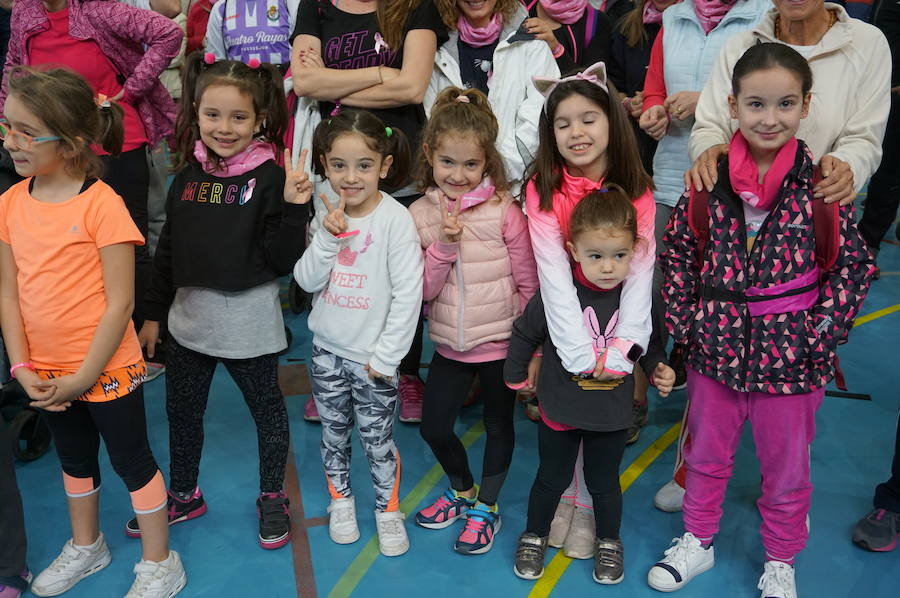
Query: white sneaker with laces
[158, 580]
[777, 581]
[392, 538]
[669, 498]
[685, 559]
[342, 525]
[562, 521]
[72, 565]
[582, 537]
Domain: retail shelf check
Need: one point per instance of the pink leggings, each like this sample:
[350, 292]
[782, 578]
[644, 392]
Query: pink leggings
[783, 429]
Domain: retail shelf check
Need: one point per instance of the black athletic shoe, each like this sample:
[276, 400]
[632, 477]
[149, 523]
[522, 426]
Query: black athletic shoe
[274, 519]
[179, 510]
[676, 362]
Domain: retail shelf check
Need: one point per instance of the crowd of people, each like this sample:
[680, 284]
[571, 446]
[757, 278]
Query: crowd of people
[558, 188]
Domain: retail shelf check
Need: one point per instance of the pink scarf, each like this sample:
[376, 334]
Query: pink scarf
[652, 15]
[564, 11]
[744, 173]
[710, 12]
[480, 36]
[255, 154]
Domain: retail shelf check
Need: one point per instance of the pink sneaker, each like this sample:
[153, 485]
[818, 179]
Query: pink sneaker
[15, 586]
[411, 392]
[310, 413]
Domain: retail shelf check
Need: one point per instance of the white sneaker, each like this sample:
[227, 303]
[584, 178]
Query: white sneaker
[559, 527]
[72, 565]
[342, 520]
[684, 560]
[669, 498]
[158, 580]
[392, 539]
[582, 538]
[777, 581]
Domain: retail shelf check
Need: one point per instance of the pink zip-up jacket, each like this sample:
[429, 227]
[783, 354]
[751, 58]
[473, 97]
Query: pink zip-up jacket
[477, 287]
[549, 233]
[122, 32]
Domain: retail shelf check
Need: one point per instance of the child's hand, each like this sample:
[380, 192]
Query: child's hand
[148, 337]
[373, 373]
[297, 186]
[38, 391]
[654, 121]
[451, 227]
[663, 379]
[600, 371]
[534, 370]
[65, 390]
[335, 222]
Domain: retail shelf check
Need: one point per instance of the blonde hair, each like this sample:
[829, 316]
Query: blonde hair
[469, 117]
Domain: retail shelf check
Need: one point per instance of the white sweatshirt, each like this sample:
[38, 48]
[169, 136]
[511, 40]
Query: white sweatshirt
[368, 287]
[851, 69]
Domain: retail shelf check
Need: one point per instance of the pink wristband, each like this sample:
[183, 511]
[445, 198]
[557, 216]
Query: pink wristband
[24, 364]
[559, 50]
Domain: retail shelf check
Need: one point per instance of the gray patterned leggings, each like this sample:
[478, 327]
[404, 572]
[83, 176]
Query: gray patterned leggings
[345, 395]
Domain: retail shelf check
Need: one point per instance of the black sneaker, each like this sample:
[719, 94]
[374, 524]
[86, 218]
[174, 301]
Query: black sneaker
[179, 510]
[274, 519]
[640, 413]
[878, 531]
[676, 362]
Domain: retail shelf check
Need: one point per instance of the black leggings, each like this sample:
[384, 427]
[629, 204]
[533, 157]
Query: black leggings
[12, 521]
[884, 187]
[188, 377]
[558, 452]
[445, 390]
[123, 425]
[129, 175]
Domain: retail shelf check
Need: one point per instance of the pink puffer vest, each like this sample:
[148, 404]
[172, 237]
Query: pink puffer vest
[479, 301]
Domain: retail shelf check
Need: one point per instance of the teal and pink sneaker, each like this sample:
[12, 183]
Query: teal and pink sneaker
[482, 524]
[449, 507]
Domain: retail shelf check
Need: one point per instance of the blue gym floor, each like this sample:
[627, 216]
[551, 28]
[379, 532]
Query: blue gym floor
[851, 455]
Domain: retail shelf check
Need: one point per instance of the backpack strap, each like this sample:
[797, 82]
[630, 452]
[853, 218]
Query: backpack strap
[827, 226]
[698, 219]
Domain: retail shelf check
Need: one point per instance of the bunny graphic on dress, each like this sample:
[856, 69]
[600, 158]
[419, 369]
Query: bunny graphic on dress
[600, 341]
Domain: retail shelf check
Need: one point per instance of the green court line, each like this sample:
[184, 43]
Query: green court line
[366, 558]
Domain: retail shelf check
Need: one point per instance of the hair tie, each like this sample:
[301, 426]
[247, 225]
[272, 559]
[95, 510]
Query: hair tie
[462, 99]
[209, 58]
[337, 109]
[253, 63]
[388, 131]
[102, 101]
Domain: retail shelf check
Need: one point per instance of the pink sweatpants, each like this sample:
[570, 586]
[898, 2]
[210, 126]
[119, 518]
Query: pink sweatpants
[783, 429]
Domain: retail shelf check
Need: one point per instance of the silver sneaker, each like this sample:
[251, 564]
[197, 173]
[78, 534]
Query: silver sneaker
[158, 580]
[609, 562]
[72, 565]
[530, 553]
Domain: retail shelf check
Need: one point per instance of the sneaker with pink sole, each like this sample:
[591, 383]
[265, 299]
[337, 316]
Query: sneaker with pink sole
[412, 391]
[482, 524]
[15, 586]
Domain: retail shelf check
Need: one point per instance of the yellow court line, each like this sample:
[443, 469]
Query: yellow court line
[560, 562]
[876, 314]
[369, 553]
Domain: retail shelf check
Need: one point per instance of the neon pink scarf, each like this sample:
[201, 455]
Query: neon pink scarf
[480, 36]
[710, 13]
[564, 11]
[255, 154]
[744, 173]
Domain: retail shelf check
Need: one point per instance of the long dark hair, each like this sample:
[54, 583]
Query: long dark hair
[623, 159]
[385, 141]
[262, 84]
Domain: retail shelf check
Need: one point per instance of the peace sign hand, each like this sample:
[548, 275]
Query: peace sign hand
[297, 186]
[335, 222]
[451, 227]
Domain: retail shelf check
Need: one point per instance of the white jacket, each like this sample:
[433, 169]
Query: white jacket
[851, 69]
[515, 101]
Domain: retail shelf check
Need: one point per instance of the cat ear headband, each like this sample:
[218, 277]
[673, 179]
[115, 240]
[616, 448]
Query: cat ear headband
[596, 74]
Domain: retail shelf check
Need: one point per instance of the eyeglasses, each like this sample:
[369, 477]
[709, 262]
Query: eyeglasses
[22, 140]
